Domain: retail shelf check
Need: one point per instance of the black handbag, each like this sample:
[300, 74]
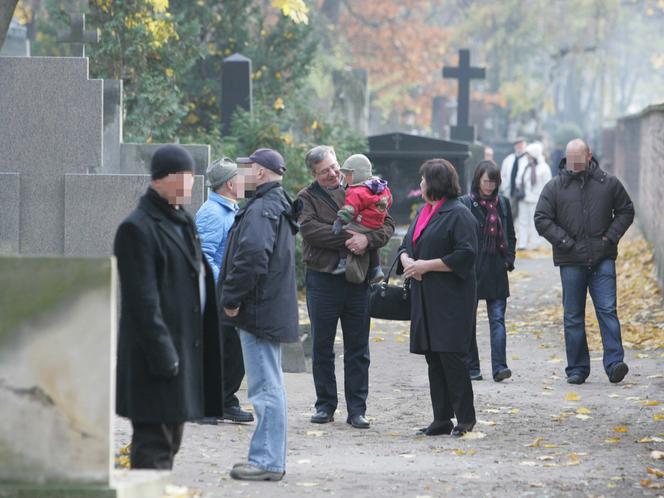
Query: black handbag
[390, 302]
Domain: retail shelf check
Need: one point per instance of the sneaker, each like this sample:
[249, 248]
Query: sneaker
[341, 267]
[376, 275]
[618, 372]
[505, 373]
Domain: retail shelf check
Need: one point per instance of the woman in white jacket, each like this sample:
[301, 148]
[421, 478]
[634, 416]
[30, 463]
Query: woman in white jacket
[531, 183]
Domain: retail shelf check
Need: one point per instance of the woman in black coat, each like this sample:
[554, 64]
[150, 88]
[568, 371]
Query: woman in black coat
[496, 258]
[438, 256]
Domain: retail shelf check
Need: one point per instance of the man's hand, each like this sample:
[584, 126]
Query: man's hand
[358, 243]
[232, 312]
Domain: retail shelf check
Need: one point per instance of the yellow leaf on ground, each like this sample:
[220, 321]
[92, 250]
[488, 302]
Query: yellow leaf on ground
[650, 403]
[654, 471]
[573, 459]
[583, 411]
[658, 416]
[458, 452]
[549, 445]
[473, 435]
[536, 443]
[572, 396]
[612, 440]
[377, 339]
[621, 429]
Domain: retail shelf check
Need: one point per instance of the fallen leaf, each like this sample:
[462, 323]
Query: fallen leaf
[316, 433]
[536, 443]
[621, 429]
[656, 376]
[490, 423]
[573, 459]
[583, 411]
[306, 484]
[614, 395]
[646, 402]
[583, 417]
[652, 439]
[572, 396]
[528, 463]
[407, 456]
[658, 416]
[458, 452]
[654, 471]
[473, 435]
[647, 483]
[545, 458]
[377, 339]
[394, 434]
[657, 455]
[303, 461]
[612, 440]
[549, 445]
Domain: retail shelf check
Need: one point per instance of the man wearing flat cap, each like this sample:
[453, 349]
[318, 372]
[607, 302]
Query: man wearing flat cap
[214, 220]
[169, 367]
[259, 297]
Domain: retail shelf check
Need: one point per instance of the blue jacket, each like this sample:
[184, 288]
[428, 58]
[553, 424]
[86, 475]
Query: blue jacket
[214, 220]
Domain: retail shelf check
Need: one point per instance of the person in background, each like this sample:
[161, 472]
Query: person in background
[438, 256]
[584, 212]
[531, 183]
[214, 220]
[510, 171]
[497, 248]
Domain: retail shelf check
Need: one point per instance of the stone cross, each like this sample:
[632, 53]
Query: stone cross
[464, 73]
[397, 140]
[77, 35]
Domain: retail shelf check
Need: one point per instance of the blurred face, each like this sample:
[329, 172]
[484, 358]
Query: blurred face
[348, 175]
[238, 185]
[175, 188]
[327, 172]
[577, 156]
[487, 186]
[488, 154]
[520, 148]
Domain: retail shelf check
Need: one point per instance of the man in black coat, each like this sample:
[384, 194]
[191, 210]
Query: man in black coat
[259, 297]
[584, 212]
[169, 366]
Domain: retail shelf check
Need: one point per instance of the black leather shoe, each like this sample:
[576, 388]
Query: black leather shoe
[575, 379]
[460, 429]
[475, 376]
[237, 414]
[358, 421]
[436, 428]
[322, 417]
[618, 372]
[506, 373]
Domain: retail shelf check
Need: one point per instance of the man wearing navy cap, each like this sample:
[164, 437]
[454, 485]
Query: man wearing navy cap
[259, 298]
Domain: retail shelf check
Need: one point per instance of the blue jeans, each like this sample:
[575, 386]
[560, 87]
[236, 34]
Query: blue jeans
[262, 362]
[496, 310]
[600, 280]
[331, 298]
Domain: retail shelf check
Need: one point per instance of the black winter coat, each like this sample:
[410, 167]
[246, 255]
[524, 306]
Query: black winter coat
[443, 304]
[161, 320]
[258, 272]
[491, 268]
[575, 212]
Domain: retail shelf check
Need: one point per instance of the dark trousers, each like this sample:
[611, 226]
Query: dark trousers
[331, 298]
[154, 445]
[451, 388]
[233, 365]
[496, 310]
[600, 281]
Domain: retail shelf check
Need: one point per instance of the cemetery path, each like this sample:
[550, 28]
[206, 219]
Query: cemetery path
[536, 436]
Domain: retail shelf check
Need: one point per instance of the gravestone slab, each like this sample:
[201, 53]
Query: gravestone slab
[397, 157]
[95, 205]
[10, 185]
[236, 88]
[112, 127]
[53, 116]
[57, 338]
[135, 158]
[292, 358]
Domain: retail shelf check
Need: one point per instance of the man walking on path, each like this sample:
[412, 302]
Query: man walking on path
[511, 172]
[330, 297]
[169, 358]
[583, 212]
[259, 297]
[214, 220]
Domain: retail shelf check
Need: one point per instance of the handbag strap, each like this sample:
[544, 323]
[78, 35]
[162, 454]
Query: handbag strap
[386, 280]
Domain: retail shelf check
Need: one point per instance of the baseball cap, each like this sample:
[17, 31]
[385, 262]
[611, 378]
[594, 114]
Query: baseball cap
[267, 158]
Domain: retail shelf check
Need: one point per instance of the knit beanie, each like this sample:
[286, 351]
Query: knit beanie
[170, 159]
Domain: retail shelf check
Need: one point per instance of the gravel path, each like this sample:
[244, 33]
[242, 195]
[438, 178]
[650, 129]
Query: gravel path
[536, 436]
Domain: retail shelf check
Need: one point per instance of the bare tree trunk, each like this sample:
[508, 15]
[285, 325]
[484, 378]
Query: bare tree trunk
[7, 8]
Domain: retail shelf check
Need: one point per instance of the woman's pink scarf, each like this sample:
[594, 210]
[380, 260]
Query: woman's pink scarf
[423, 219]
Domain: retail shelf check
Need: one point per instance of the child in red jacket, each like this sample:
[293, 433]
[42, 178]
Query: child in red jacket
[367, 200]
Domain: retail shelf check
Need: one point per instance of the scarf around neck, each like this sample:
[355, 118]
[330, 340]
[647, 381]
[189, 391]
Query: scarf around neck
[424, 217]
[493, 227]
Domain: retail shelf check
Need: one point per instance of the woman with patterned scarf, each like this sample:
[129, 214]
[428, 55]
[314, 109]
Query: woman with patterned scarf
[497, 244]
